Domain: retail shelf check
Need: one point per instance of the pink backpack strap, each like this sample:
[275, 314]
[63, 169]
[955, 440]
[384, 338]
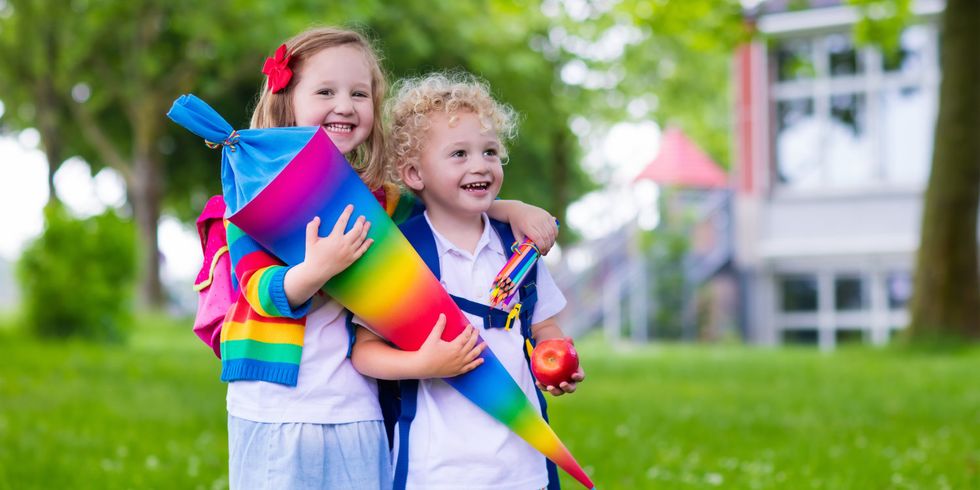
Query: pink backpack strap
[213, 283]
[214, 241]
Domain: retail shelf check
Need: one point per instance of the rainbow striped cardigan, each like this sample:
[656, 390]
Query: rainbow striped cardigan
[262, 335]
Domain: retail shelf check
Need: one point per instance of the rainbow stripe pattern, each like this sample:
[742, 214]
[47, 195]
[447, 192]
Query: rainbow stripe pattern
[389, 287]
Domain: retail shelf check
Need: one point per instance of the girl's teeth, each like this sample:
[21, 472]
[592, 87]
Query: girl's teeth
[339, 128]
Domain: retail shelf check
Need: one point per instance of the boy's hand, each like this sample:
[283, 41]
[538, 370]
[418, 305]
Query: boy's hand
[565, 387]
[440, 359]
[330, 255]
[536, 224]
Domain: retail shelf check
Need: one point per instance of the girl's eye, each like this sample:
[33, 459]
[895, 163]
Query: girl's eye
[361, 94]
[458, 154]
[325, 91]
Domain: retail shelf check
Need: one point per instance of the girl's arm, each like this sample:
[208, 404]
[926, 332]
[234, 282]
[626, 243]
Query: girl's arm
[526, 220]
[261, 277]
[436, 358]
[546, 330]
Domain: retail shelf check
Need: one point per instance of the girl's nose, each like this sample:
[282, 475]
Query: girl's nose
[343, 106]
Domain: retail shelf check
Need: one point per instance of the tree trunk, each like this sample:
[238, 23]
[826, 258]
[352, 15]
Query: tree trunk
[48, 105]
[946, 299]
[146, 196]
[146, 207]
[53, 149]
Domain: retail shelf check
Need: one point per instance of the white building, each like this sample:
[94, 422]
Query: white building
[833, 147]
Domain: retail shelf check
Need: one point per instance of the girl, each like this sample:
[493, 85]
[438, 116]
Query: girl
[299, 415]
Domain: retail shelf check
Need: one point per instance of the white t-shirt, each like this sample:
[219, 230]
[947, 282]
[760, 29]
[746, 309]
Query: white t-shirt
[452, 443]
[328, 390]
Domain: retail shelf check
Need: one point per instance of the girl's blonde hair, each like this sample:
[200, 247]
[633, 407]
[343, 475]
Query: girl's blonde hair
[448, 93]
[276, 109]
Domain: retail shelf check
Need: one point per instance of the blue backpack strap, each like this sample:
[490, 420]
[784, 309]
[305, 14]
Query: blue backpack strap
[409, 404]
[419, 235]
[492, 317]
[351, 332]
[528, 297]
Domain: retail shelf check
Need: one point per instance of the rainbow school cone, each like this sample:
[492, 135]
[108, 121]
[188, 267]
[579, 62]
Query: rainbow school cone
[276, 180]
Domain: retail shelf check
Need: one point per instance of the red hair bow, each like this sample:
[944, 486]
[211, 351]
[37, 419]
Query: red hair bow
[277, 68]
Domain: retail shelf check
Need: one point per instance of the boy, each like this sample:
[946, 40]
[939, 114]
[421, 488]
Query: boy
[446, 146]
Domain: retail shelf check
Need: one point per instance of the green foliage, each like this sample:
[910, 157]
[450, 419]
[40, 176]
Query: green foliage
[77, 277]
[881, 23]
[674, 67]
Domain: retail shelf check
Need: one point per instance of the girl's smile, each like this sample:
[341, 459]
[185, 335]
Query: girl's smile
[334, 92]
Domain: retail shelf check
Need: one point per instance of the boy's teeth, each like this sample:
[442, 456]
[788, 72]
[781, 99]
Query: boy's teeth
[482, 186]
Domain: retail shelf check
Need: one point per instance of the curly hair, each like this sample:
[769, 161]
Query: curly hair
[447, 93]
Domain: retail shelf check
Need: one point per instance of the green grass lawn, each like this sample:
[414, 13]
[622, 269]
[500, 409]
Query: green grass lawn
[151, 415]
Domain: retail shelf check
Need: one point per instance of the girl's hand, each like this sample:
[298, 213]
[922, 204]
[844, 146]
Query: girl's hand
[536, 224]
[564, 387]
[440, 359]
[330, 255]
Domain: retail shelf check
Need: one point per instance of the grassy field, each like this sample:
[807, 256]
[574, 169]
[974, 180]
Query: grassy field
[151, 415]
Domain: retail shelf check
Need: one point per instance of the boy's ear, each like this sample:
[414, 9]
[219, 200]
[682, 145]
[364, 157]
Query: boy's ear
[412, 177]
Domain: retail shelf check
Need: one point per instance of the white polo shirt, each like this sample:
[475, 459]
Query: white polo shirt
[452, 443]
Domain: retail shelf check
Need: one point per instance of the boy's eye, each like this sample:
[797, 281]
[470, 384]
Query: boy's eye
[490, 152]
[458, 154]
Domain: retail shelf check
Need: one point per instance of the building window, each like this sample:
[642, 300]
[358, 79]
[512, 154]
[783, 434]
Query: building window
[803, 336]
[899, 285]
[799, 294]
[850, 117]
[849, 293]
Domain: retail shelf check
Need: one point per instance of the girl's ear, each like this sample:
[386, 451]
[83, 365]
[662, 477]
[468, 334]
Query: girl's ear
[412, 177]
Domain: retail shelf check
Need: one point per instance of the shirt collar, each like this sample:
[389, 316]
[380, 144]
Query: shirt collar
[488, 239]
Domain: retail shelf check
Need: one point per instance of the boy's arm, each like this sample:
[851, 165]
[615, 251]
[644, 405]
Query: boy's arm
[526, 220]
[261, 277]
[374, 357]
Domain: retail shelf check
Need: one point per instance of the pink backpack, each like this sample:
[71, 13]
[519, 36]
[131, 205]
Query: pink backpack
[214, 281]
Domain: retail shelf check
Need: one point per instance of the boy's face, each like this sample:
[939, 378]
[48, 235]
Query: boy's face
[459, 169]
[334, 92]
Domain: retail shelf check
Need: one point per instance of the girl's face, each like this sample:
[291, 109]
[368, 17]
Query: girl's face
[334, 92]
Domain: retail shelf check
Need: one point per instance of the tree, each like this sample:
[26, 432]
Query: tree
[946, 298]
[668, 61]
[97, 81]
[115, 67]
[495, 42]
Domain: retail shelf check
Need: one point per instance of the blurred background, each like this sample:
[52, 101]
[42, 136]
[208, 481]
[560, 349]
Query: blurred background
[769, 239]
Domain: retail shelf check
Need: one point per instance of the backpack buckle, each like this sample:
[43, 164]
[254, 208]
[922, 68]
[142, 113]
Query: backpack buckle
[514, 312]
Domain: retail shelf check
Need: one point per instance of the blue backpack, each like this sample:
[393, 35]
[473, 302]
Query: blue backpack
[398, 399]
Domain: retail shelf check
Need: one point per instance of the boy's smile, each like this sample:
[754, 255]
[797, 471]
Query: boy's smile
[459, 170]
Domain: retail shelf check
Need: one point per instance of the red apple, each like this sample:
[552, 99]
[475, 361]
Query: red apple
[554, 361]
